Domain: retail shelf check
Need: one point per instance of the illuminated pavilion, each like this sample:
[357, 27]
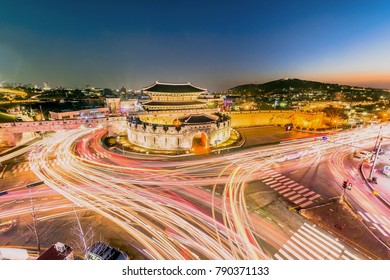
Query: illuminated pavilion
[175, 119]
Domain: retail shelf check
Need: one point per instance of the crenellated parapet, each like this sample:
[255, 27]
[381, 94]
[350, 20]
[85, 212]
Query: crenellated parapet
[180, 136]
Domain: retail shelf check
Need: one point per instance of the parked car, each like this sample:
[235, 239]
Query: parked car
[102, 251]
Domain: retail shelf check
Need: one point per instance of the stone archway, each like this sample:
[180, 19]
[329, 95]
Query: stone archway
[200, 143]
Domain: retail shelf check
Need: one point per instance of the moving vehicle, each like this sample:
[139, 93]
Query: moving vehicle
[362, 155]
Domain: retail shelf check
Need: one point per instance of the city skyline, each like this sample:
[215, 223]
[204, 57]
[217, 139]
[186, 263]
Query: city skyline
[219, 46]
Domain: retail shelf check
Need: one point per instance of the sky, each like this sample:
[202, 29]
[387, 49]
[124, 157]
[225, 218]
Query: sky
[212, 44]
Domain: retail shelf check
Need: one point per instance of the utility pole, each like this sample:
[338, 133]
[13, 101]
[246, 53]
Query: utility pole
[378, 137]
[375, 159]
[377, 148]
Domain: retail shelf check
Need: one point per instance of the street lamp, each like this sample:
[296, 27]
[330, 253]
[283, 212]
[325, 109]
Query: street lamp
[376, 151]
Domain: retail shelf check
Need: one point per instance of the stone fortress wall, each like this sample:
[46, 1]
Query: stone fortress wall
[170, 137]
[261, 118]
[11, 133]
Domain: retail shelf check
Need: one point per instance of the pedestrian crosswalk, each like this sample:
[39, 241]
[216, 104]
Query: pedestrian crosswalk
[288, 188]
[25, 166]
[312, 243]
[380, 223]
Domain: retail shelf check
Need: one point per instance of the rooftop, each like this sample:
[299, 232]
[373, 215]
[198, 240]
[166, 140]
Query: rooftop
[173, 103]
[198, 118]
[173, 88]
[58, 251]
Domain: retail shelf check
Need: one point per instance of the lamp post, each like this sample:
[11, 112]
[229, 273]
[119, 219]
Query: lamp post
[216, 145]
[377, 148]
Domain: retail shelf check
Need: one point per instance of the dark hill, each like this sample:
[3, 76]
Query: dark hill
[286, 85]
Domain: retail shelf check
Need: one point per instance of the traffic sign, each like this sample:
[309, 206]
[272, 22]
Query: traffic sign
[324, 138]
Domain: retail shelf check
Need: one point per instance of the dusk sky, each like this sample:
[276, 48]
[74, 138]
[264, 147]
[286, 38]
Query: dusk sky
[213, 44]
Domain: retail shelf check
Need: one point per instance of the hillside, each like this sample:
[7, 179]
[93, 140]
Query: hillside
[290, 85]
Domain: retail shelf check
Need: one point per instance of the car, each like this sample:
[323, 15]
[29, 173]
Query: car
[362, 155]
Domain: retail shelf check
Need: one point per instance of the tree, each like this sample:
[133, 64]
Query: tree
[36, 229]
[335, 115]
[84, 238]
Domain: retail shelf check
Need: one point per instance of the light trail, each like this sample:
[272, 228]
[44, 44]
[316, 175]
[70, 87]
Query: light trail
[160, 203]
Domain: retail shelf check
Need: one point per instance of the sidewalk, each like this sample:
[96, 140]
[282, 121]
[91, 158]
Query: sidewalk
[382, 188]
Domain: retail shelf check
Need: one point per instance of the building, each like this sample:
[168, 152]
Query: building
[81, 114]
[46, 86]
[102, 251]
[168, 96]
[113, 105]
[177, 120]
[58, 251]
[127, 106]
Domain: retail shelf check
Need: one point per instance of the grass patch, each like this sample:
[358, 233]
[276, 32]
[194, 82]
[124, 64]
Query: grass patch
[6, 117]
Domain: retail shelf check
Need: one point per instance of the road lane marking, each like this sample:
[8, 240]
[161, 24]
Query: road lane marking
[294, 245]
[284, 180]
[275, 185]
[351, 255]
[299, 200]
[325, 236]
[285, 254]
[379, 219]
[296, 240]
[294, 197]
[290, 183]
[371, 217]
[306, 203]
[308, 194]
[278, 257]
[364, 217]
[270, 182]
[283, 191]
[268, 179]
[314, 197]
[281, 187]
[293, 252]
[379, 228]
[321, 243]
[386, 228]
[318, 245]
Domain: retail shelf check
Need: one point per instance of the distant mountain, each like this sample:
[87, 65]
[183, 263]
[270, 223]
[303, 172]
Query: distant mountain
[288, 85]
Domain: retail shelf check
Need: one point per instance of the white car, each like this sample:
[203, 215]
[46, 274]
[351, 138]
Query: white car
[362, 155]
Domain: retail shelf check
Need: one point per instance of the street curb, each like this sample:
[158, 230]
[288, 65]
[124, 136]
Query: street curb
[2, 171]
[370, 186]
[238, 145]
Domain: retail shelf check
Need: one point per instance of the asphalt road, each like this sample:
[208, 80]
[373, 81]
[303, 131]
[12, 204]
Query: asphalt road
[174, 209]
